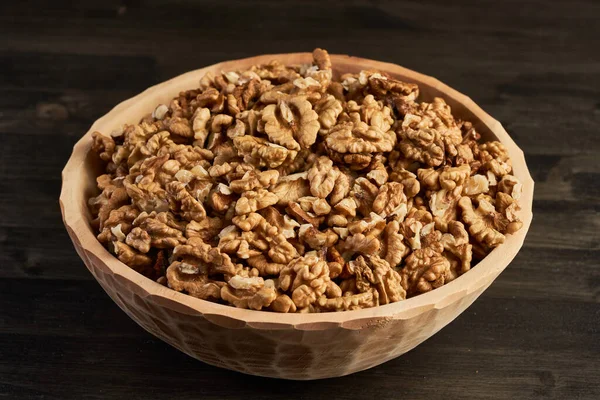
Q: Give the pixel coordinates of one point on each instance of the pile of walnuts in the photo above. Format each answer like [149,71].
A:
[279,188]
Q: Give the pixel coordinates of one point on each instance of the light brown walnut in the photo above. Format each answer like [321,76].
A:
[358,137]
[113,196]
[390,200]
[127,255]
[103,145]
[443,206]
[374,272]
[484,222]
[393,249]
[208,259]
[252,201]
[328,109]
[262,153]
[189,207]
[364,193]
[118,224]
[350,302]
[187,278]
[254,180]
[306,278]
[248,292]
[291,123]
[457,249]
[322,177]
[290,188]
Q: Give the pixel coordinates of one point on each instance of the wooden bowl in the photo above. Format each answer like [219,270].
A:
[290,346]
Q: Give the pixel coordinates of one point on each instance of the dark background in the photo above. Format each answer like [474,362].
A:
[533,65]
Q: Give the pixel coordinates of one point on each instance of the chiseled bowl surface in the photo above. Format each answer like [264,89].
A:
[290,346]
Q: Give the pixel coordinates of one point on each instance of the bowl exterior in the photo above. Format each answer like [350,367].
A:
[290,346]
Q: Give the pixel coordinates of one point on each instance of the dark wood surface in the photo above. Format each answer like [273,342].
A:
[534,65]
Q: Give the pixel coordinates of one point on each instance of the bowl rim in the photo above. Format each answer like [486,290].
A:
[486,271]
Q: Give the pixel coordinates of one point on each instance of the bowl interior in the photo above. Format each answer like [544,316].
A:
[79,184]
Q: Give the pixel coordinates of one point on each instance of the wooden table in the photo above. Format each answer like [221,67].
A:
[533,65]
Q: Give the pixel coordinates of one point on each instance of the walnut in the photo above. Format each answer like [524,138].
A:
[160,230]
[112,197]
[283,304]
[248,292]
[412,186]
[457,248]
[271,237]
[314,205]
[252,201]
[295,210]
[315,238]
[232,242]
[335,261]
[328,110]
[211,98]
[207,228]
[350,302]
[188,278]
[290,188]
[358,137]
[103,145]
[380,84]
[260,152]
[291,123]
[264,266]
[390,200]
[221,198]
[284,223]
[372,225]
[419,142]
[425,269]
[443,205]
[430,134]
[475,185]
[201,255]
[322,177]
[495,159]
[364,193]
[132,258]
[190,208]
[373,272]
[275,72]
[254,180]
[359,243]
[306,278]
[451,177]
[509,207]
[429,177]
[511,186]
[321,59]
[377,171]
[393,249]
[118,224]
[485,223]
[199,125]
[355,162]
[180,126]
[244,96]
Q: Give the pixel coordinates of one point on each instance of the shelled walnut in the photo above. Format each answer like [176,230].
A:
[284,188]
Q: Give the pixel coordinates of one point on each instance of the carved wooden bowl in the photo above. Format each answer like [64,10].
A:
[290,346]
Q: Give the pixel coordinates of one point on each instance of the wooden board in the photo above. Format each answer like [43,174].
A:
[532,65]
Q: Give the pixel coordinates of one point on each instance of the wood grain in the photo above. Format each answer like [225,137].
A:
[531,64]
